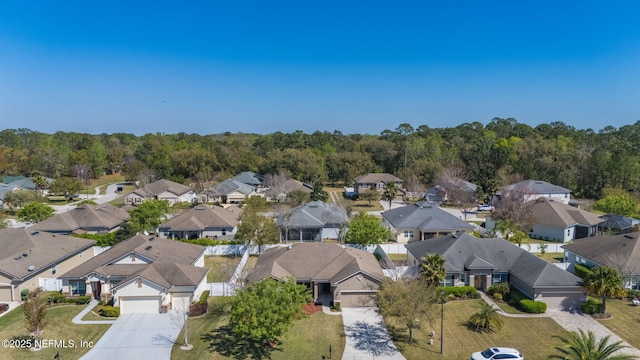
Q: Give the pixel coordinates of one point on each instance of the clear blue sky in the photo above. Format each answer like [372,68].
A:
[355,66]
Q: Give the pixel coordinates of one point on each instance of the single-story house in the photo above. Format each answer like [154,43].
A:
[289,186]
[618,224]
[86,218]
[422,220]
[4,189]
[250,178]
[620,251]
[162,190]
[557,221]
[203,221]
[535,189]
[231,191]
[30,259]
[375,181]
[438,193]
[313,221]
[333,272]
[143,274]
[482,262]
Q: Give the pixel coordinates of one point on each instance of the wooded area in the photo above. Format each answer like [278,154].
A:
[583,160]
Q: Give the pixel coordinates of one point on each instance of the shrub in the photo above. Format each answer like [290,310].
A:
[58,298]
[459,291]
[515,297]
[582,271]
[337,306]
[591,306]
[633,294]
[110,311]
[24,294]
[204,297]
[198,309]
[533,307]
[497,296]
[80,300]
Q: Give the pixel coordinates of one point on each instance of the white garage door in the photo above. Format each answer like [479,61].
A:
[561,300]
[180,301]
[5,293]
[137,305]
[357,298]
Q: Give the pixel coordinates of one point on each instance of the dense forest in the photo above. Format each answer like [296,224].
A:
[491,155]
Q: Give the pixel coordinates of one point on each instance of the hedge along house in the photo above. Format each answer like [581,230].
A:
[142,275]
[86,218]
[482,262]
[331,272]
[622,252]
[422,220]
[31,259]
[203,221]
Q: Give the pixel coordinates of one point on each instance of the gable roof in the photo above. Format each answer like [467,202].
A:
[424,216]
[250,178]
[623,249]
[371,178]
[202,216]
[619,222]
[554,213]
[163,185]
[467,252]
[315,262]
[156,249]
[86,217]
[537,187]
[230,185]
[313,214]
[23,248]
[293,185]
[167,275]
[26,183]
[5,188]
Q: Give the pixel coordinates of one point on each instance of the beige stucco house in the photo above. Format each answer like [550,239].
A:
[161,190]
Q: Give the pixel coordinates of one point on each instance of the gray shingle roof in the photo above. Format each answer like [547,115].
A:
[554,213]
[619,222]
[158,187]
[315,262]
[424,216]
[623,249]
[314,214]
[42,250]
[464,249]
[167,275]
[156,249]
[371,178]
[202,217]
[249,178]
[87,217]
[537,187]
[229,186]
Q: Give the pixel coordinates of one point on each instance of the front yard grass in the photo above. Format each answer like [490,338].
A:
[59,328]
[308,338]
[625,321]
[221,267]
[532,336]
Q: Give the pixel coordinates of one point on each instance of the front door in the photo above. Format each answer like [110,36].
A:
[96,286]
[480,282]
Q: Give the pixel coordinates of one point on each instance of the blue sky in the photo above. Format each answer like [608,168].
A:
[355,66]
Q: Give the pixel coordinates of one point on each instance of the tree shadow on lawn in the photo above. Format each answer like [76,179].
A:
[373,339]
[400,337]
[223,341]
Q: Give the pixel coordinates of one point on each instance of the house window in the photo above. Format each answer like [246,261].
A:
[568,232]
[448,281]
[53,270]
[463,278]
[408,233]
[133,258]
[224,232]
[78,287]
[499,278]
[137,200]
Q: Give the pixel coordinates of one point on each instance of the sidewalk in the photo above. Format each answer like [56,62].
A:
[78,318]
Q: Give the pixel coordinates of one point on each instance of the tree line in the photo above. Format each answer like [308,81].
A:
[491,155]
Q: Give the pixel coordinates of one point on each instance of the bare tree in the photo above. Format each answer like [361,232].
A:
[457,190]
[415,187]
[275,184]
[514,208]
[180,320]
[626,265]
[147,176]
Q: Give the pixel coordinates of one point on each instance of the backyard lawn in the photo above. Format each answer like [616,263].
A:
[552,257]
[308,338]
[221,267]
[60,328]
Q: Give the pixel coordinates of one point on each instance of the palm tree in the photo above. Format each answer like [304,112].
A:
[605,281]
[487,318]
[390,191]
[585,346]
[433,270]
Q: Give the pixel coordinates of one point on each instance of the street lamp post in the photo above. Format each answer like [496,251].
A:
[442,322]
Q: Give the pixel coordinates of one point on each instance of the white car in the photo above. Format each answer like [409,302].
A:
[496,353]
[484,207]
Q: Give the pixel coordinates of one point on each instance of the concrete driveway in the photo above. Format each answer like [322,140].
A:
[137,336]
[366,336]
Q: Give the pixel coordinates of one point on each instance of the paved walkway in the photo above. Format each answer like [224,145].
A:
[78,318]
[366,336]
[572,321]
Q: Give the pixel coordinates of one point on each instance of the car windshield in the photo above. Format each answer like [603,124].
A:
[487,353]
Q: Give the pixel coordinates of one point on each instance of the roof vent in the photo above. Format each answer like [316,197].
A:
[628,237]
[31,268]
[24,254]
[289,247]
[35,233]
[17,258]
[148,248]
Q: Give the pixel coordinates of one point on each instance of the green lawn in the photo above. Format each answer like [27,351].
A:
[59,328]
[221,267]
[308,338]
[625,322]
[532,336]
[552,257]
